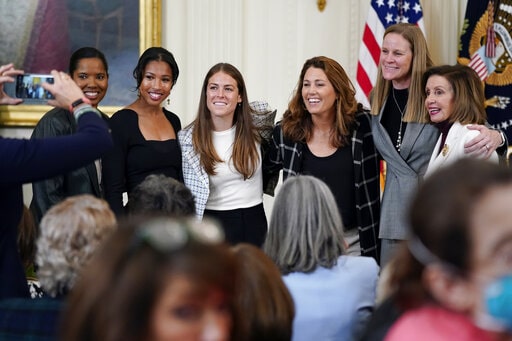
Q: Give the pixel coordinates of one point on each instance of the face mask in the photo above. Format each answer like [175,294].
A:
[498,301]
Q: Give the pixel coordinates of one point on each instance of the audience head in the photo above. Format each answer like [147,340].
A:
[261,297]
[461,239]
[156,54]
[404,58]
[305,231]
[161,195]
[324,77]
[70,233]
[455,93]
[156,279]
[89,69]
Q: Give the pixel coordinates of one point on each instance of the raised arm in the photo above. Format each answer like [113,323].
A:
[32,160]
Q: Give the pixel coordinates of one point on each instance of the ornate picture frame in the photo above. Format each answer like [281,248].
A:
[150,23]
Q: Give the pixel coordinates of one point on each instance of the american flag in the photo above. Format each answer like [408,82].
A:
[383,13]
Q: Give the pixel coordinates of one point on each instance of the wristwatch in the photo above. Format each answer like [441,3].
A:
[78,102]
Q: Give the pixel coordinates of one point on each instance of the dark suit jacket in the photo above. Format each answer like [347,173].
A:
[83,180]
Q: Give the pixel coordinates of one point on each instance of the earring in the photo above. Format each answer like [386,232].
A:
[168,101]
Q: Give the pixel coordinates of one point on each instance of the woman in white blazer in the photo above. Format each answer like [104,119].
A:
[454,97]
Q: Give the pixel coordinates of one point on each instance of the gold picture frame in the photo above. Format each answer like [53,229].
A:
[150,27]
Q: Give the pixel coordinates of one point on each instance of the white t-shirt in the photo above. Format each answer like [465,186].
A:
[228,189]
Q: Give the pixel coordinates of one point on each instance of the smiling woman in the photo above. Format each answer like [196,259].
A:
[144,133]
[454,97]
[222,157]
[325,133]
[89,69]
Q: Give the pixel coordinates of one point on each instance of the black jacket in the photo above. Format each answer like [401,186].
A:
[84,180]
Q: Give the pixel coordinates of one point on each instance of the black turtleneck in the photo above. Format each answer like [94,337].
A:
[444,128]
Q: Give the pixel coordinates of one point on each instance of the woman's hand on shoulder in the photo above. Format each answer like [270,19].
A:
[485,143]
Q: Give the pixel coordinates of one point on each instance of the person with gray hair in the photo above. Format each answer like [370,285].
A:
[334,294]
[70,232]
[161,195]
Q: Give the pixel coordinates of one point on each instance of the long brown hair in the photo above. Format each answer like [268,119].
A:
[297,123]
[245,151]
[421,60]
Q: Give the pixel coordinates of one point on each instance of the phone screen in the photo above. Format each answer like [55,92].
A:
[29,86]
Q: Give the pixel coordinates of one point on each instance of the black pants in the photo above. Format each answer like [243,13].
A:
[242,225]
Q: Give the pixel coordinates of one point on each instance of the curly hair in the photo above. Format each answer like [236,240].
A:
[70,232]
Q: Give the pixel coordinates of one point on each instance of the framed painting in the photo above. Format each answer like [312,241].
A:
[52,29]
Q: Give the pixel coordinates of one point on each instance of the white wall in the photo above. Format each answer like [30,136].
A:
[269,40]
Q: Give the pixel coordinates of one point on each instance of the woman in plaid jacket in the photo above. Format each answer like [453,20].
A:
[326,133]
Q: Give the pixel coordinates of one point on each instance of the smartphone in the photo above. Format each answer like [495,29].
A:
[29,87]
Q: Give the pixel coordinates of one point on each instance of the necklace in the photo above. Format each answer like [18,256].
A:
[402,111]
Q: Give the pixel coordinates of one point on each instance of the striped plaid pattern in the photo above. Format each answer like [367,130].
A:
[194,175]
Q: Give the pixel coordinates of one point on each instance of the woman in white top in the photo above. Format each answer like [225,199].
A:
[454,97]
[221,157]
[334,293]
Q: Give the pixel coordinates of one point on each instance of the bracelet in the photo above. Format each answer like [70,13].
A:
[84,109]
[79,101]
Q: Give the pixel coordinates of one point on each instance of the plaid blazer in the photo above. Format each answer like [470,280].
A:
[288,155]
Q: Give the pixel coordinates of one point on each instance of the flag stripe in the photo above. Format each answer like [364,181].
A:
[363,80]
[371,44]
